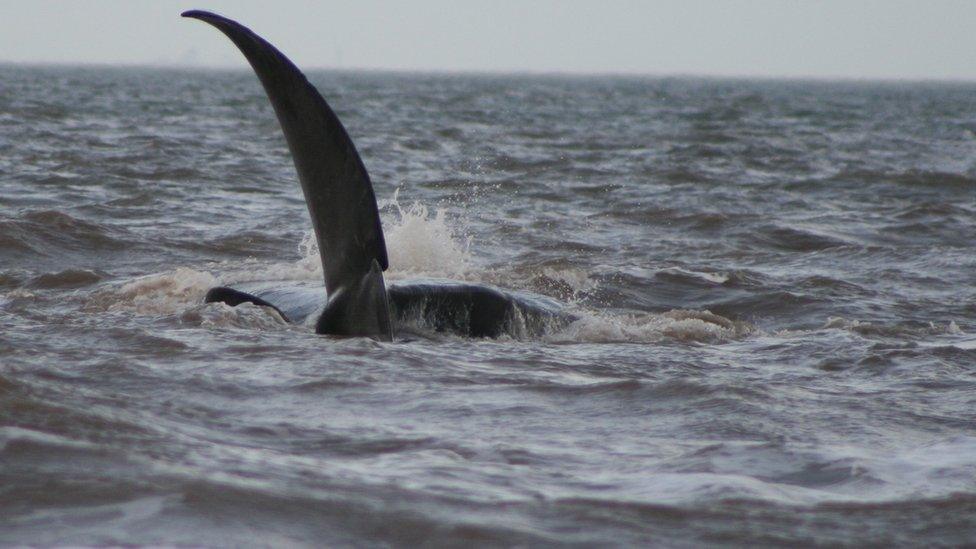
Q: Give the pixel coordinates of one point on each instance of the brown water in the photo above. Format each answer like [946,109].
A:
[826,396]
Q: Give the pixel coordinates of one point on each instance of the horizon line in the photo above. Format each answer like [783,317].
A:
[566,73]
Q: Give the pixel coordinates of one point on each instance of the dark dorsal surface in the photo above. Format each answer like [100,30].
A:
[459,308]
[337,188]
[472,310]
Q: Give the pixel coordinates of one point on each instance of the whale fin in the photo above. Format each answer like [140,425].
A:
[232,297]
[337,188]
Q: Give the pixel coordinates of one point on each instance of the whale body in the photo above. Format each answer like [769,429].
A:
[345,218]
[459,308]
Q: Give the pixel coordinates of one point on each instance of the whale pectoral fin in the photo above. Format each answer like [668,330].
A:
[359,309]
[337,189]
[232,297]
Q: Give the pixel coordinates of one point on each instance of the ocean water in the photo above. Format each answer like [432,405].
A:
[776,283]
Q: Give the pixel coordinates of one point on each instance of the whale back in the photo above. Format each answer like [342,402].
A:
[335,183]
[419,307]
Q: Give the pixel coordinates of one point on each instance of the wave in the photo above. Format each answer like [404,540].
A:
[677,325]
[912,330]
[48,232]
[165,293]
[69,278]
[795,239]
[931,178]
[245,315]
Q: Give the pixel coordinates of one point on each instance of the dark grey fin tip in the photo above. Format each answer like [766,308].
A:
[200,14]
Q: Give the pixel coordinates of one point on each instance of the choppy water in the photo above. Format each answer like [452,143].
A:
[829,396]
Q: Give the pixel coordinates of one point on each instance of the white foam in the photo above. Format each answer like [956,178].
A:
[10,435]
[165,293]
[934,469]
[966,344]
[680,325]
[16,293]
[568,284]
[678,488]
[245,315]
[714,278]
[867,328]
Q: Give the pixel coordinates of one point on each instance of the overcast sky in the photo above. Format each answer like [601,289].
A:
[779,38]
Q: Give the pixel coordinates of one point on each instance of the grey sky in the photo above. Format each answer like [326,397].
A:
[830,38]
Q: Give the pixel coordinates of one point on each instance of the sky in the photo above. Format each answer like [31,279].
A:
[859,39]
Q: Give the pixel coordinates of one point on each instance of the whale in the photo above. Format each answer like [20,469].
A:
[356,301]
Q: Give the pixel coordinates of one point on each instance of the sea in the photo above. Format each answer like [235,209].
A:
[774,283]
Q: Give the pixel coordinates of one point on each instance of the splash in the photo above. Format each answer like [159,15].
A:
[420,243]
[565,283]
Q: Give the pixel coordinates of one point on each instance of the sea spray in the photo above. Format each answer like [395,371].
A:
[421,243]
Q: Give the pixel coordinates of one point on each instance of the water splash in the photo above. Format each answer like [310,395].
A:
[421,243]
